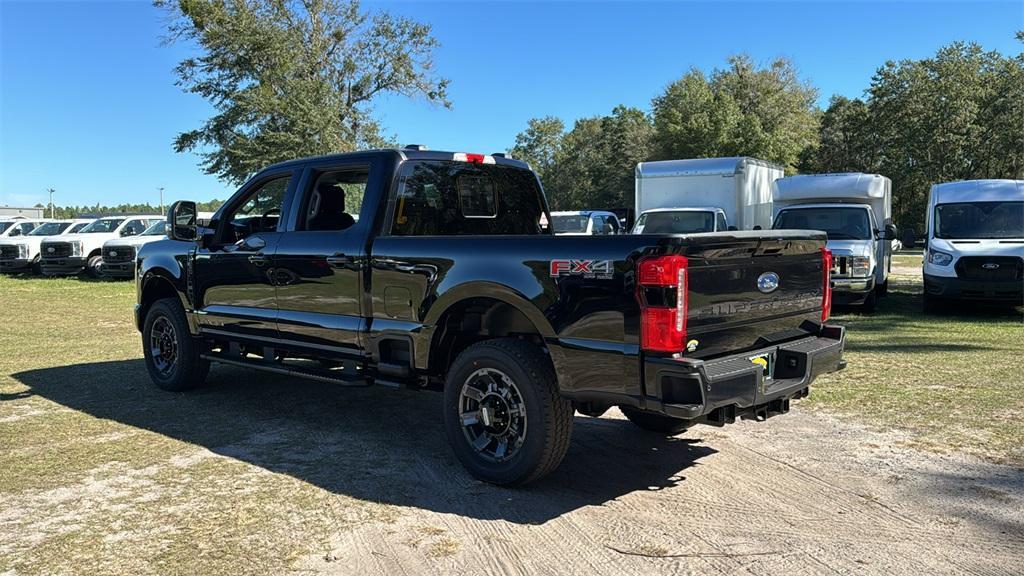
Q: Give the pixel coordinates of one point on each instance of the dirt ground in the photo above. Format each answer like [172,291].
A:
[258,475]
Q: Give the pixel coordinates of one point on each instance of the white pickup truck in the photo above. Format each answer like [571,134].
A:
[119,254]
[22,252]
[73,253]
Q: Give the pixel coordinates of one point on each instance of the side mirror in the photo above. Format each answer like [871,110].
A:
[181,221]
[758,227]
[16,232]
[733,229]
[129,231]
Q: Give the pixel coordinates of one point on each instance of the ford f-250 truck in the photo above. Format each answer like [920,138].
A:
[432,270]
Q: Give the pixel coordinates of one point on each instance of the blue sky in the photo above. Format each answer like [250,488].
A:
[88,104]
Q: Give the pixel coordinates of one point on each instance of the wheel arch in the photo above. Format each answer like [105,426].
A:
[474,312]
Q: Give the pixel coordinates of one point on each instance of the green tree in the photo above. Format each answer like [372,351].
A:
[846,141]
[741,110]
[538,144]
[954,116]
[292,78]
[594,164]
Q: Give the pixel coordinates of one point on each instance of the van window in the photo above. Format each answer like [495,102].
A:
[458,198]
[720,222]
[682,222]
[979,220]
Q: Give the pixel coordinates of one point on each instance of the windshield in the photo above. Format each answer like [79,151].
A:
[979,220]
[838,223]
[157,229]
[4,226]
[77,227]
[49,229]
[570,223]
[104,226]
[683,222]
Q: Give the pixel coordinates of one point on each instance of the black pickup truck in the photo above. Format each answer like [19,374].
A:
[436,270]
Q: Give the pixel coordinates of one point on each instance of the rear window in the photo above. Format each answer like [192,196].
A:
[458,198]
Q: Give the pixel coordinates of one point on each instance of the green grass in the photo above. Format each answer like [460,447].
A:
[102,473]
[953,381]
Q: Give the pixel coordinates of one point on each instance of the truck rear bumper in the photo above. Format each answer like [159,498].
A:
[720,390]
[63,266]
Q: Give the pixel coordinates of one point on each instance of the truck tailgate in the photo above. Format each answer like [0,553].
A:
[748,289]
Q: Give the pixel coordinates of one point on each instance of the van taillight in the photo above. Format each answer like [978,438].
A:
[826,289]
[663,292]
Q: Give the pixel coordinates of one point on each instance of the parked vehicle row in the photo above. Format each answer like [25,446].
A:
[67,247]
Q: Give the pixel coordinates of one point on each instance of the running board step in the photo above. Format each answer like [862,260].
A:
[290,371]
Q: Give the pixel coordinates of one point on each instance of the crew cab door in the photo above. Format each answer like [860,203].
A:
[234,291]
[319,266]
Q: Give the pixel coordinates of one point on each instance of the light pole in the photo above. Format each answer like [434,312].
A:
[161,189]
[51,191]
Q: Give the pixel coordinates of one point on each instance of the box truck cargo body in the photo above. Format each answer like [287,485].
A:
[975,243]
[855,210]
[739,186]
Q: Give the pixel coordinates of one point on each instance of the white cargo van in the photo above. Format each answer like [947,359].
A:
[855,210]
[975,242]
[739,187]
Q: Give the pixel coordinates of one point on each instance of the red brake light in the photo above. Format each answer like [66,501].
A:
[475,158]
[826,289]
[663,327]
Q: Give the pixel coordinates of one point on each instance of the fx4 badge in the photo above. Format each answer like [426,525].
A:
[582,268]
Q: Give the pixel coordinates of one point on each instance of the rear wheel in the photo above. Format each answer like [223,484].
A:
[503,415]
[92,266]
[172,354]
[655,422]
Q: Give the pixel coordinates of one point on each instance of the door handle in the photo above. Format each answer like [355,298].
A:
[339,261]
[258,259]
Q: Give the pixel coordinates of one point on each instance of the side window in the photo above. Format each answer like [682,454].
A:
[259,211]
[133,228]
[458,198]
[719,221]
[335,199]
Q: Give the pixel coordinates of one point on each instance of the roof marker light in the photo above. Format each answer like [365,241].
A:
[473,158]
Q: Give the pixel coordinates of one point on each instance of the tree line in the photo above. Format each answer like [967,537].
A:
[68,212]
[953,116]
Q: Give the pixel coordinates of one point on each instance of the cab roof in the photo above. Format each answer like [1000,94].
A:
[401,155]
[977,191]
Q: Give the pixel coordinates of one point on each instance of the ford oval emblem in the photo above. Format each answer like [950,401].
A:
[768,282]
[50,249]
[990,266]
[113,253]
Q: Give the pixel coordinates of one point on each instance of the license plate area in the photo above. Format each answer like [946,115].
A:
[767,363]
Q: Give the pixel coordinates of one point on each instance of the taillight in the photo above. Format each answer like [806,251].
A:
[826,288]
[473,158]
[663,292]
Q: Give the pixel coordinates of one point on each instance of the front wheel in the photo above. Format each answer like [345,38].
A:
[655,422]
[93,265]
[172,354]
[503,415]
[37,267]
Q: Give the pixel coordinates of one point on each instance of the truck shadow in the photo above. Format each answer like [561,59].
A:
[373,444]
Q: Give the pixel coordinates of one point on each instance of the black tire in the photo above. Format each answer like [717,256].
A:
[655,422]
[870,302]
[883,289]
[92,266]
[37,266]
[546,428]
[187,370]
[930,304]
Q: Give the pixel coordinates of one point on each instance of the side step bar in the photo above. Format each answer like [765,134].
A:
[341,380]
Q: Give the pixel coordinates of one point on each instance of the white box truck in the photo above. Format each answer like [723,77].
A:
[855,210]
[975,243]
[712,194]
